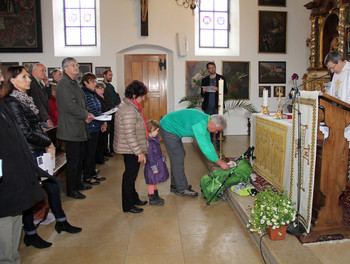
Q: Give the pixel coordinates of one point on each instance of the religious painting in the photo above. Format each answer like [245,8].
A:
[195,72]
[20,26]
[237,78]
[100,70]
[83,68]
[29,65]
[279,89]
[281,3]
[262,88]
[272,32]
[272,72]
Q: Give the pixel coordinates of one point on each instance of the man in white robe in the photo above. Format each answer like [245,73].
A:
[340,87]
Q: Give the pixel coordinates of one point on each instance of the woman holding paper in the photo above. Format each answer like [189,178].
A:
[94,127]
[17,83]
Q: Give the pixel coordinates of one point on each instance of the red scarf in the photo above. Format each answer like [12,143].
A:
[144,119]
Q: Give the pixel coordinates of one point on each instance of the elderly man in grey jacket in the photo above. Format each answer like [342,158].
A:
[72,125]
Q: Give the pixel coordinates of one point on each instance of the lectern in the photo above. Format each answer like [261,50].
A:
[331,170]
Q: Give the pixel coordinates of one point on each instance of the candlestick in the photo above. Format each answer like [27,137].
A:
[265,96]
[221,97]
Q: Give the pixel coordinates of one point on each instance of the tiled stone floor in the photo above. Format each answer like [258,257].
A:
[181,231]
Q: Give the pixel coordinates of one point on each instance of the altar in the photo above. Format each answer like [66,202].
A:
[273,147]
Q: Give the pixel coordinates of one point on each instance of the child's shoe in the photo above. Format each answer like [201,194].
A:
[157,195]
[154,201]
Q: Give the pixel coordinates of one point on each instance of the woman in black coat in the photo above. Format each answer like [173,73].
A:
[17,83]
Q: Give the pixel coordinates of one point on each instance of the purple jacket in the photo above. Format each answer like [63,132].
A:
[155,161]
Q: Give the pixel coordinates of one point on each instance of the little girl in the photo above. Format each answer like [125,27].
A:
[156,170]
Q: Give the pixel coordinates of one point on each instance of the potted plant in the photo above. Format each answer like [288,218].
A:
[272,212]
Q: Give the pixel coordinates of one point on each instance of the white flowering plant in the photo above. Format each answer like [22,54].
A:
[270,209]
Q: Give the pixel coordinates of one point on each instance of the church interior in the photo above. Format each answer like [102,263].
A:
[157,42]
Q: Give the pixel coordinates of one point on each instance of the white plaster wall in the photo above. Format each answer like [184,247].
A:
[120,34]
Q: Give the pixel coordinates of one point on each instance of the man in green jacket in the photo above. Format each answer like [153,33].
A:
[189,123]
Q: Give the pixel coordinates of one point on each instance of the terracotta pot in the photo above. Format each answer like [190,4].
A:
[278,233]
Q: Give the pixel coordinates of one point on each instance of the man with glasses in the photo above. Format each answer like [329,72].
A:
[336,64]
[72,125]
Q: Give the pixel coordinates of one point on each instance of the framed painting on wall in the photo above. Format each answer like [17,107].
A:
[83,68]
[262,88]
[281,3]
[195,72]
[100,70]
[279,89]
[272,32]
[20,29]
[29,65]
[272,71]
[237,76]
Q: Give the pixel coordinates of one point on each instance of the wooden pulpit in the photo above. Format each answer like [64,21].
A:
[331,170]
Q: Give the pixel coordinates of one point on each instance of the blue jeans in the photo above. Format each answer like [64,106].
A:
[52,189]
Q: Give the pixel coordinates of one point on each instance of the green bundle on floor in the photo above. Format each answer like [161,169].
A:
[211,183]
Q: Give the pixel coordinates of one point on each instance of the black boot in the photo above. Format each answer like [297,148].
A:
[154,201]
[157,195]
[36,241]
[65,226]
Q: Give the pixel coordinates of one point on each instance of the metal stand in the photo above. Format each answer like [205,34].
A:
[221,139]
[299,229]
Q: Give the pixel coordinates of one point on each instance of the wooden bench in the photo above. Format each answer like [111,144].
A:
[60,152]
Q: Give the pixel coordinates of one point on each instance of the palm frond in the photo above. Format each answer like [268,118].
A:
[194,101]
[239,105]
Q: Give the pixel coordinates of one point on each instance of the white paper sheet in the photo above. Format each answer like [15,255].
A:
[110,112]
[46,163]
[103,118]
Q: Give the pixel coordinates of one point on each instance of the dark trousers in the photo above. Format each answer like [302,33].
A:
[52,189]
[111,135]
[89,164]
[102,146]
[74,165]
[129,194]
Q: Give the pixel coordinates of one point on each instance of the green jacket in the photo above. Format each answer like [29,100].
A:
[191,123]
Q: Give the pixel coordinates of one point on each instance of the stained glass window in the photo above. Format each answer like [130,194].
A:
[80,22]
[214,24]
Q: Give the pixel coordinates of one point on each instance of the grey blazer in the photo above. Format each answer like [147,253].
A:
[72,111]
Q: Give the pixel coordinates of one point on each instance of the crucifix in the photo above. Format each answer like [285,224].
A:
[144,18]
[278,114]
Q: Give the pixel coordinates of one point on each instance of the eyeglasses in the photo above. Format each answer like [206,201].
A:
[332,68]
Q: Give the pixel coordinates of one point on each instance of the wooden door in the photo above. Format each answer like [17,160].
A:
[151,70]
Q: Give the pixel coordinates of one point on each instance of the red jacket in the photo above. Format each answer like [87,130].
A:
[53,111]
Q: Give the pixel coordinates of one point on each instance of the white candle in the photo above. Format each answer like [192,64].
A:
[221,97]
[265,96]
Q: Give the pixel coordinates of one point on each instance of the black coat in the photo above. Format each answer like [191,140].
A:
[206,82]
[41,97]
[29,123]
[19,185]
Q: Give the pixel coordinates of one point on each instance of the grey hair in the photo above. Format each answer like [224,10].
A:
[36,65]
[334,57]
[66,62]
[218,120]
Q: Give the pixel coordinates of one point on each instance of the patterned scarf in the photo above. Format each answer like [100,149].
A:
[144,119]
[25,99]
